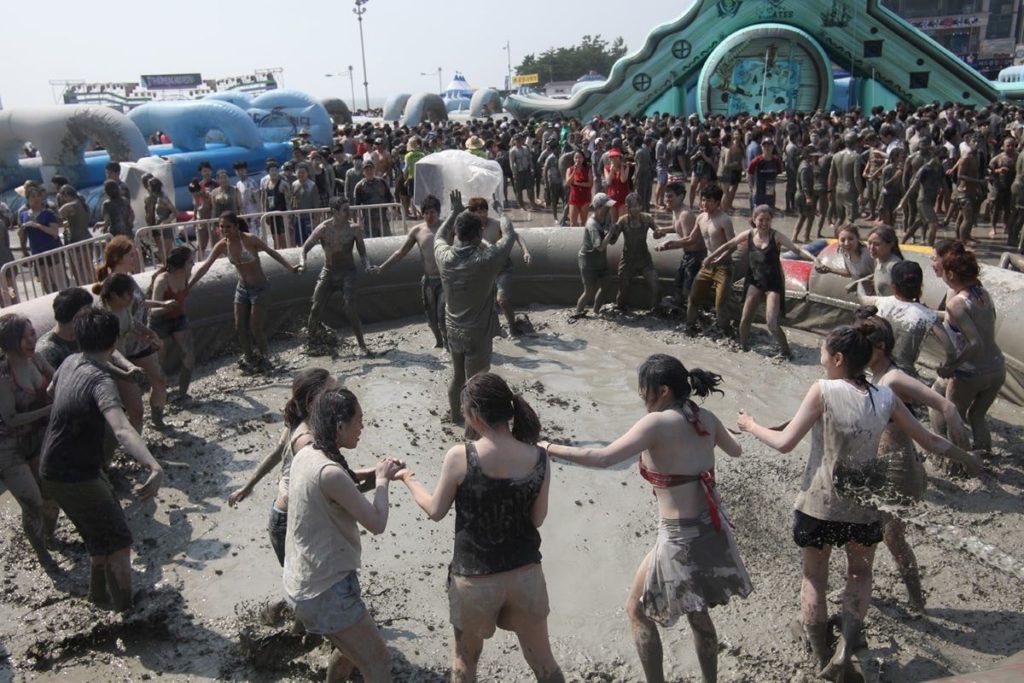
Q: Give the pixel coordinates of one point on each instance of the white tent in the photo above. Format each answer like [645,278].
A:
[458,88]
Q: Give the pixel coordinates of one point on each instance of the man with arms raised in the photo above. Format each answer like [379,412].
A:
[493,232]
[468,270]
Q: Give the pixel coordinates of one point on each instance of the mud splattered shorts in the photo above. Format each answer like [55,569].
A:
[480,604]
[693,567]
[338,608]
[813,532]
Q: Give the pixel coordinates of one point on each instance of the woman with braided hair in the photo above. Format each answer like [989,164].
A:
[695,564]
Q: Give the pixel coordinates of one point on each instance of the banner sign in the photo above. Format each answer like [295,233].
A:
[526,79]
[171,81]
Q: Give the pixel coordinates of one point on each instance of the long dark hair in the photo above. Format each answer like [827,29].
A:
[662,370]
[854,342]
[888,235]
[329,409]
[490,397]
[306,386]
[118,283]
[878,329]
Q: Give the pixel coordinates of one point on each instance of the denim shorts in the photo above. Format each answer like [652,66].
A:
[277,527]
[248,294]
[338,608]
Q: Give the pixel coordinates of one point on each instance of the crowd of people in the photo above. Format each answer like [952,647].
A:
[68,396]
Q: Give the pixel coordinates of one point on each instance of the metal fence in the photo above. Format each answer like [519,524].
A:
[75,264]
[34,276]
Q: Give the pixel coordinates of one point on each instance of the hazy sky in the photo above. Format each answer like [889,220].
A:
[113,40]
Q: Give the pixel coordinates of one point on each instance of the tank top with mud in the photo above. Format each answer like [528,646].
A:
[982,311]
[322,542]
[843,466]
[494,530]
[287,456]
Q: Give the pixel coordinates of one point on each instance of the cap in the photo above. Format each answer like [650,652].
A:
[601,200]
[614,152]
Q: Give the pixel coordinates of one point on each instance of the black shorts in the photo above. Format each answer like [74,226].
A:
[165,327]
[813,532]
[93,508]
[141,353]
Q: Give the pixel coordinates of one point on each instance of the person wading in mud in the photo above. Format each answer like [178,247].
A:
[833,508]
[715,228]
[338,237]
[492,232]
[499,485]
[695,564]
[422,235]
[468,270]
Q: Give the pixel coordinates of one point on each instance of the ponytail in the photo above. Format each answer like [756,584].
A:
[704,383]
[525,423]
[490,397]
[854,342]
[662,370]
[306,386]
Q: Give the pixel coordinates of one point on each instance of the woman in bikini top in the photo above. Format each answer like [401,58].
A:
[242,250]
[675,434]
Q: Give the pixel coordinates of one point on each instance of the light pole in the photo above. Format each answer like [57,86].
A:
[359,10]
[508,54]
[440,86]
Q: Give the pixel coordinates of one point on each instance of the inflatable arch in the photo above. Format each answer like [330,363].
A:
[425,107]
[863,36]
[394,106]
[62,135]
[337,110]
[485,102]
[282,114]
[189,122]
[235,97]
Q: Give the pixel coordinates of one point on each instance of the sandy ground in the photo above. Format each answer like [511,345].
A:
[203,569]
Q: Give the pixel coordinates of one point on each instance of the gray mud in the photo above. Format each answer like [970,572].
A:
[205,572]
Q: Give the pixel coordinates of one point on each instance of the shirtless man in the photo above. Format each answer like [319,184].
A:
[923,191]
[683,222]
[715,228]
[337,236]
[846,180]
[970,186]
[636,257]
[503,284]
[422,235]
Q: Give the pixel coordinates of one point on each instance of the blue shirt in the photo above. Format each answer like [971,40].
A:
[39,241]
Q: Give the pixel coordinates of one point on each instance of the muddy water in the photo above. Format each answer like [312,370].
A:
[204,569]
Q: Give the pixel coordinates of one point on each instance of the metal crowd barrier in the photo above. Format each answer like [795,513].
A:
[34,276]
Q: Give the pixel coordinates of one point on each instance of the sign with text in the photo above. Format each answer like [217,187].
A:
[526,79]
[171,81]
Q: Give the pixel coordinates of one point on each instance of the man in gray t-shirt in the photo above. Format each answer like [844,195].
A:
[468,270]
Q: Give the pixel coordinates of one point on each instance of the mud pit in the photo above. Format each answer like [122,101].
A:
[204,570]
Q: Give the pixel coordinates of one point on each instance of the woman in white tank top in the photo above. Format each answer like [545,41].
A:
[846,417]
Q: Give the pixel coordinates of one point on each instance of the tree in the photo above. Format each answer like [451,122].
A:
[593,53]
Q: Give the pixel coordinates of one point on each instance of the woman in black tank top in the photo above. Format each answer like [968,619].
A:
[499,485]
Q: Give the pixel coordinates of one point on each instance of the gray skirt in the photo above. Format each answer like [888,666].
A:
[693,567]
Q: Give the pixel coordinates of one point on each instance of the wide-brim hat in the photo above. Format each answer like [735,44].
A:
[475,142]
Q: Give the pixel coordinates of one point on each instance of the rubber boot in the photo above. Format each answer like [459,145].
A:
[156,414]
[184,380]
[98,593]
[845,666]
[817,636]
[912,579]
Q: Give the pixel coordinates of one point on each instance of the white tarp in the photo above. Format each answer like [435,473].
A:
[440,173]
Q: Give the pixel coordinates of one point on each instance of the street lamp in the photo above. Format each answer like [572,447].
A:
[359,10]
[508,49]
[440,87]
[351,82]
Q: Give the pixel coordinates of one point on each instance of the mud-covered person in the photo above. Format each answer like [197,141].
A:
[431,290]
[684,222]
[85,402]
[338,237]
[496,579]
[469,268]
[834,508]
[492,232]
[592,257]
[695,564]
[323,550]
[636,259]
[716,229]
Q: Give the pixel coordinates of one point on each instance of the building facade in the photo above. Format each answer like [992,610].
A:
[984,33]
